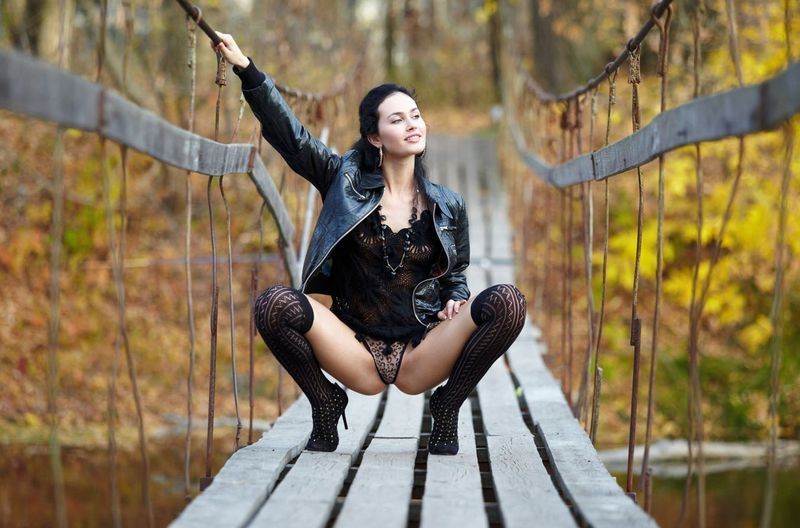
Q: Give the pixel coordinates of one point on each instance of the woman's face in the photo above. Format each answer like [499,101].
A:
[401,129]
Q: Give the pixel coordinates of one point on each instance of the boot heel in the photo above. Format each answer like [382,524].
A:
[344,419]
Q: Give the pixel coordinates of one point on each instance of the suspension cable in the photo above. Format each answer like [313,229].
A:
[663,65]
[633,43]
[634,78]
[192,64]
[776,343]
[694,392]
[598,372]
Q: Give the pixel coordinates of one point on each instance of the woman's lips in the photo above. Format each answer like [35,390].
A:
[414,138]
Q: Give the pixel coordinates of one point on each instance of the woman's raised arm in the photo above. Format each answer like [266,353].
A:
[305,154]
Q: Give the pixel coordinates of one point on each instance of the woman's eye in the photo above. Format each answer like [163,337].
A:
[395,121]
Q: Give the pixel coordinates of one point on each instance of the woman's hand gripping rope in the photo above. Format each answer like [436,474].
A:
[230,50]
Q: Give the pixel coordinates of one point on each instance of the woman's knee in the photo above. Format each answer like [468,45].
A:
[281,304]
[500,298]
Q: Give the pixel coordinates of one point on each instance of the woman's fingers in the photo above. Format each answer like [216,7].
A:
[450,309]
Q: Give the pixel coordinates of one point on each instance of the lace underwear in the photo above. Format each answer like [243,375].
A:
[388,356]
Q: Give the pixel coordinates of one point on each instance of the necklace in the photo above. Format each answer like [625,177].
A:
[406,237]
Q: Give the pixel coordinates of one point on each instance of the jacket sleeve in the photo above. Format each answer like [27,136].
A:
[304,153]
[454,284]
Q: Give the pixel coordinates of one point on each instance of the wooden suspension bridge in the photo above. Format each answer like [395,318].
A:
[525,459]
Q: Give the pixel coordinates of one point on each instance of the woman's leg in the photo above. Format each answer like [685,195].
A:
[292,326]
[467,345]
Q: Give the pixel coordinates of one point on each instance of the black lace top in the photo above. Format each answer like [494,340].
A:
[370,298]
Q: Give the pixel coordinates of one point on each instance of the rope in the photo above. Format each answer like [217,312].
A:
[694,392]
[116,258]
[231,304]
[212,379]
[56,247]
[588,243]
[101,47]
[253,292]
[776,343]
[634,78]
[663,64]
[612,91]
[192,64]
[543,95]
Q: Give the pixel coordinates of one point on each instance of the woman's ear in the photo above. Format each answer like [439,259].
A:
[375,141]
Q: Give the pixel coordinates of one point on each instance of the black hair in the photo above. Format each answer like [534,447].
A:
[368,125]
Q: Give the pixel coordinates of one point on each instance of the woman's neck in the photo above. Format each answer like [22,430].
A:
[398,175]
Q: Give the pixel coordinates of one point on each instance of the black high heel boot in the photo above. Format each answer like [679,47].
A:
[324,436]
[444,436]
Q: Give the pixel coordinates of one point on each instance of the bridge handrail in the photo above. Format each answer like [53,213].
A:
[34,88]
[733,113]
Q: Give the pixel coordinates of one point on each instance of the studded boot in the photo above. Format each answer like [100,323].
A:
[499,312]
[325,416]
[444,436]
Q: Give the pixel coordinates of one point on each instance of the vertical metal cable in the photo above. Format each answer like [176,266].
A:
[111,405]
[253,292]
[634,79]
[56,247]
[588,244]
[231,314]
[612,89]
[693,396]
[776,343]
[187,266]
[663,64]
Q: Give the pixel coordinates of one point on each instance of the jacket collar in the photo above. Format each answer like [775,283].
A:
[374,180]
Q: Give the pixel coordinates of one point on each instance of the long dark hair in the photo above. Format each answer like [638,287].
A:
[368,125]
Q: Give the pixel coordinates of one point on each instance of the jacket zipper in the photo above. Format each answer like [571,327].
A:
[352,186]
[321,262]
[447,255]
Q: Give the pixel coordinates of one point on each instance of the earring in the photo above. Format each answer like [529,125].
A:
[380,156]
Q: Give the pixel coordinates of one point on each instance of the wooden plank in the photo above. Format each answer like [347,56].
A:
[525,492]
[595,495]
[247,478]
[306,495]
[124,122]
[453,497]
[402,416]
[387,467]
[736,112]
[381,491]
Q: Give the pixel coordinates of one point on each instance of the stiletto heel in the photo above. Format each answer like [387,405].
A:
[325,418]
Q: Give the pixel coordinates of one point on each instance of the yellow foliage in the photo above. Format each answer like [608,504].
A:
[755,335]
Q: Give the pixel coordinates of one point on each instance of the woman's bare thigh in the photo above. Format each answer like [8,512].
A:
[431,362]
[340,354]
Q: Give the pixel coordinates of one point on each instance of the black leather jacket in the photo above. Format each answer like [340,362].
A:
[349,195]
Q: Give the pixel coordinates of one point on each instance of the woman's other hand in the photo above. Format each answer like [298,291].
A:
[230,50]
[450,309]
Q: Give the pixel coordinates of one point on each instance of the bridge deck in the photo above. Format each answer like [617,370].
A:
[524,459]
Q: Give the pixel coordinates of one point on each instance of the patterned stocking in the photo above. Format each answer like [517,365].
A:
[499,311]
[282,316]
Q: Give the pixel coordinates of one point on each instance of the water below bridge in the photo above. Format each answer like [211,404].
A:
[734,497]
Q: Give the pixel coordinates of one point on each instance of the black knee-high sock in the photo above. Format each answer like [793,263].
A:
[499,311]
[282,316]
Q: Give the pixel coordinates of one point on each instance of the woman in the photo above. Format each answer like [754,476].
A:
[391,248]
